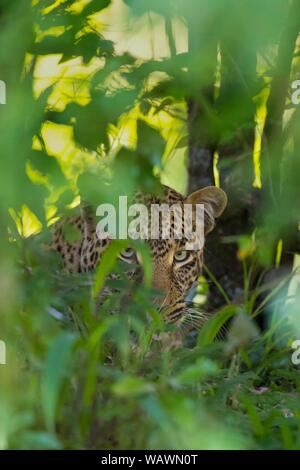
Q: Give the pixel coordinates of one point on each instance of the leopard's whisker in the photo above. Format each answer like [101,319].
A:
[194,317]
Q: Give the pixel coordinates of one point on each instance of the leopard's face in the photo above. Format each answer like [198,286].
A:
[175,267]
[175,271]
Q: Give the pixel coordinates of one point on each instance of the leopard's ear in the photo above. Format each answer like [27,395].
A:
[214,200]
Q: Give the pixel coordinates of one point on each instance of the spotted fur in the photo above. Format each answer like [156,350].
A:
[174,278]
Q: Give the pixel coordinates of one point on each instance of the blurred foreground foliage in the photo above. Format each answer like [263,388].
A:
[89,116]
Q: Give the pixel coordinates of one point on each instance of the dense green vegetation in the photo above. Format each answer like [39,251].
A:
[104,97]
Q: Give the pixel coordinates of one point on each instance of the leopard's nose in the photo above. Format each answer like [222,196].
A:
[161,280]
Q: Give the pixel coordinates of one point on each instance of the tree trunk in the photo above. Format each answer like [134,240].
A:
[280,198]
[213,127]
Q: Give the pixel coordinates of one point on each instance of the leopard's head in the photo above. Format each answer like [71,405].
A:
[176,269]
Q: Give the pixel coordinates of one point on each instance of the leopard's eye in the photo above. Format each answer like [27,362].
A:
[128,255]
[181,256]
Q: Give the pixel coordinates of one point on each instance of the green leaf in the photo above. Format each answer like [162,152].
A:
[40,440]
[71,233]
[211,329]
[243,331]
[107,264]
[144,251]
[151,145]
[203,367]
[47,165]
[131,387]
[95,5]
[63,44]
[57,368]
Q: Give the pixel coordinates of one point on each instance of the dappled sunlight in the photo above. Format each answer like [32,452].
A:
[139,339]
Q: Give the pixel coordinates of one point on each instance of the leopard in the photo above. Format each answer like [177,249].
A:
[175,269]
